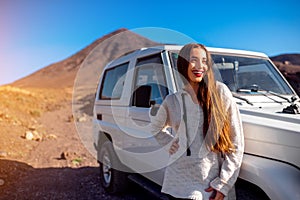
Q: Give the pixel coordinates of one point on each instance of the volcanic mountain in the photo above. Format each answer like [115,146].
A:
[83,69]
[62,74]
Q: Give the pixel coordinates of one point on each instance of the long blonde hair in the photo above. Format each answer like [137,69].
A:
[216,127]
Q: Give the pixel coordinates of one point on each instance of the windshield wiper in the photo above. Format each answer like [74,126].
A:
[278,95]
[242,98]
[256,88]
[293,108]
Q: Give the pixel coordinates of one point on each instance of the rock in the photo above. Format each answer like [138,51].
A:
[1,182]
[32,128]
[70,118]
[51,136]
[3,154]
[37,136]
[69,155]
[82,119]
[33,135]
[29,135]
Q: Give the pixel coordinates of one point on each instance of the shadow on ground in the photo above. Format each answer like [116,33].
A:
[21,181]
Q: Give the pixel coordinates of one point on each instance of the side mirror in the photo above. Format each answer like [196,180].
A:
[141,96]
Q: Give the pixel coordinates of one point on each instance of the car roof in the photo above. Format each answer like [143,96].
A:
[153,49]
[214,50]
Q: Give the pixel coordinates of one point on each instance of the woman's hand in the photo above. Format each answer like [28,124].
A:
[216,194]
[174,147]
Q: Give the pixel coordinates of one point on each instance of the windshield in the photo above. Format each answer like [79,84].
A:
[241,73]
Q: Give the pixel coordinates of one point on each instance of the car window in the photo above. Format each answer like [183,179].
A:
[113,82]
[150,71]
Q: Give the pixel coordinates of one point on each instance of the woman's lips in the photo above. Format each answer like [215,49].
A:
[198,73]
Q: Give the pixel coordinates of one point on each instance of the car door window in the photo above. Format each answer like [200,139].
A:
[149,71]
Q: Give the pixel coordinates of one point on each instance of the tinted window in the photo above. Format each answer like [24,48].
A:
[113,82]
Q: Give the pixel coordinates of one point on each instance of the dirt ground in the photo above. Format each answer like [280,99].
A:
[53,164]
[42,156]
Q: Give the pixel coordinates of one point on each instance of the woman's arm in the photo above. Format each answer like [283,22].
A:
[159,123]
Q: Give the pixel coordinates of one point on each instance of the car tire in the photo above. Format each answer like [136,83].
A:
[114,178]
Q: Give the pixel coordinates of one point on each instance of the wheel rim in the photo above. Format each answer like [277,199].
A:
[106,169]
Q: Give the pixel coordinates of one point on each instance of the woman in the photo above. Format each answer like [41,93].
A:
[207,148]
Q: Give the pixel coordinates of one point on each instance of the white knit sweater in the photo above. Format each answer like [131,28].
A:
[188,176]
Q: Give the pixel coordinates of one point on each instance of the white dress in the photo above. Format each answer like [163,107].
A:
[188,176]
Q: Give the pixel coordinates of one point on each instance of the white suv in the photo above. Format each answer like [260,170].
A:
[268,106]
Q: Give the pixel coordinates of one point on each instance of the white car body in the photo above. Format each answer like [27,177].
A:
[272,138]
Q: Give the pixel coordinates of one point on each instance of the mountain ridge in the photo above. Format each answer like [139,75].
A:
[73,72]
[63,73]
[291,58]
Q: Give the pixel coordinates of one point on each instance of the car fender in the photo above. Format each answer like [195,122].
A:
[277,179]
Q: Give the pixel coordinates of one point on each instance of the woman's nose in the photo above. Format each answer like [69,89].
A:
[199,65]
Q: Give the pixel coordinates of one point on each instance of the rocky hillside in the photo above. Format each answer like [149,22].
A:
[289,65]
[25,102]
[292,59]
[62,74]
[20,113]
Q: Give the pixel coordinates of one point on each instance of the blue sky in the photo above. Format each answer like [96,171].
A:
[37,33]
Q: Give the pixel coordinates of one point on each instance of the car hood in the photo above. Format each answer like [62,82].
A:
[271,133]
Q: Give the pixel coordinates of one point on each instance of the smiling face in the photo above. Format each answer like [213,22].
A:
[197,65]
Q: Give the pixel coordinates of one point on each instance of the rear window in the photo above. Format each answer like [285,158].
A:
[113,82]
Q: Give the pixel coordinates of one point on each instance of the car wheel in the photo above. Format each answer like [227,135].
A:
[113,179]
